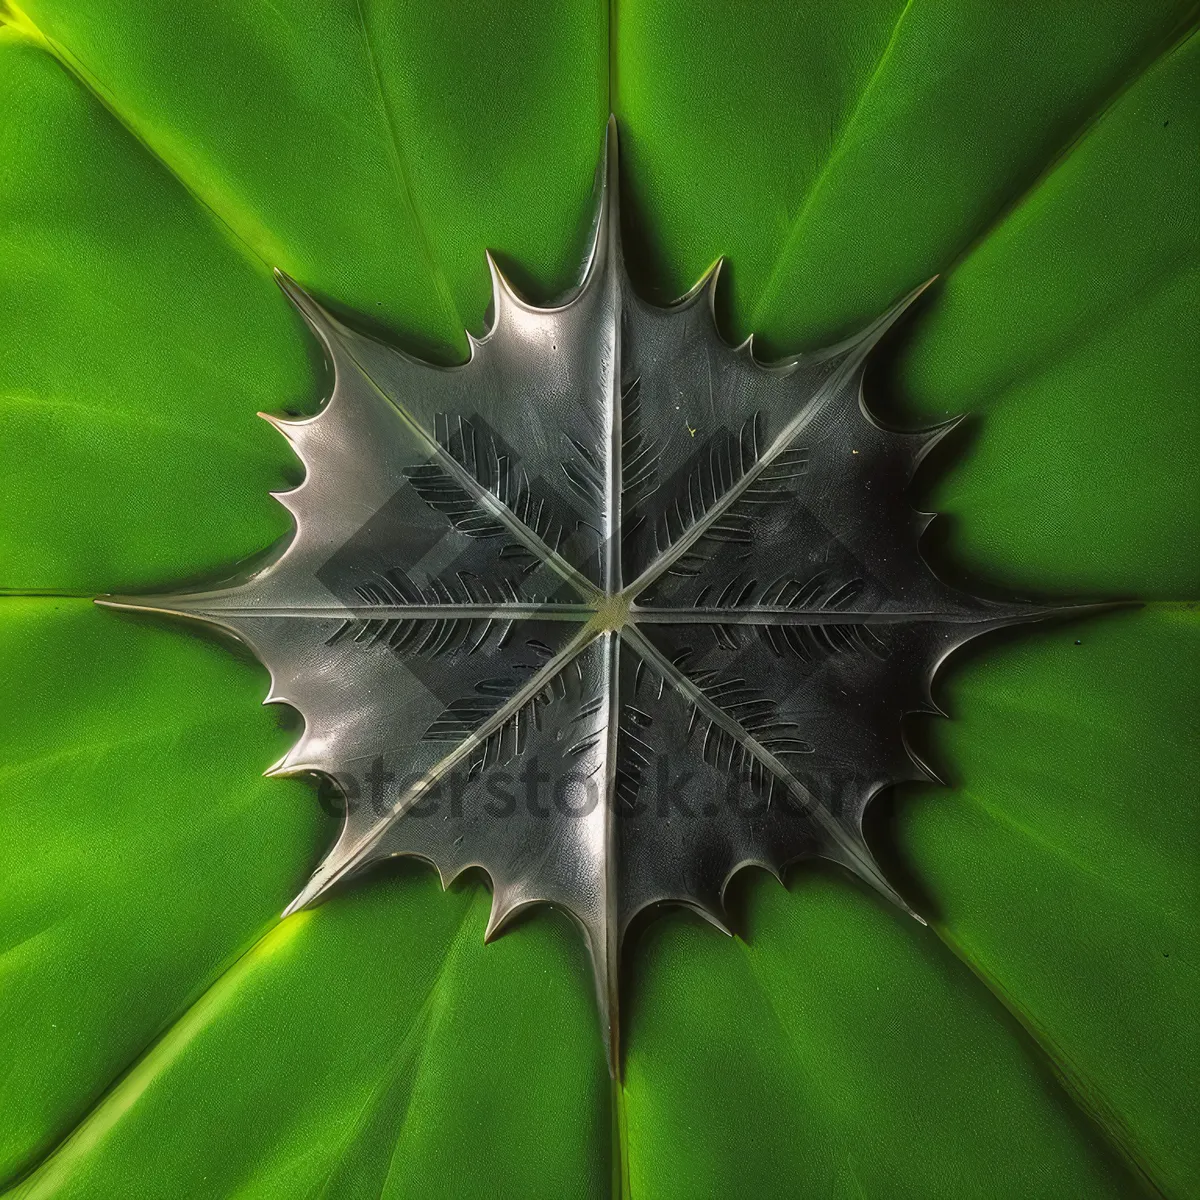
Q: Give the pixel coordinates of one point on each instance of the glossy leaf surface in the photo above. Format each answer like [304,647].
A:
[152,163]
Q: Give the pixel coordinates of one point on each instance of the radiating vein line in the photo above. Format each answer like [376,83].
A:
[1073,1081]
[13,950]
[491,503]
[731,726]
[583,613]
[1041,842]
[619,1139]
[435,1004]
[838,150]
[404,183]
[799,616]
[619,1120]
[45,1177]
[245,240]
[855,352]
[408,1048]
[611,947]
[330,332]
[613,32]
[1161,278]
[78,748]
[381,612]
[33,1184]
[11,593]
[350,856]
[755,972]
[93,412]
[1172,45]
[1175,41]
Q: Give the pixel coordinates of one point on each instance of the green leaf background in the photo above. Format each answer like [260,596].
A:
[162,1033]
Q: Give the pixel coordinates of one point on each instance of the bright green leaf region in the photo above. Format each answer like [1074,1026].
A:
[162,1032]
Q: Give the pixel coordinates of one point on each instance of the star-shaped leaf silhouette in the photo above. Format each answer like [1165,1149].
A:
[611,610]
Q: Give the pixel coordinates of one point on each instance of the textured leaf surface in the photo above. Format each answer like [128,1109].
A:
[1064,324]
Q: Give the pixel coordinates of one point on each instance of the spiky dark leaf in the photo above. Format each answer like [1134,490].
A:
[678,590]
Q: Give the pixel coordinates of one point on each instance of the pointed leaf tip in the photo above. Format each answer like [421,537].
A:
[318,882]
[320,320]
[505,297]
[503,910]
[289,427]
[286,284]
